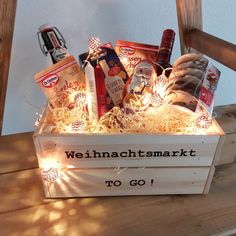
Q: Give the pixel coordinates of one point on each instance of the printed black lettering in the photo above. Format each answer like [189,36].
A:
[192,153]
[141,152]
[105,154]
[114,154]
[131,153]
[108,183]
[183,153]
[166,154]
[70,154]
[123,154]
[117,183]
[96,154]
[149,154]
[79,155]
[86,154]
[174,153]
[157,154]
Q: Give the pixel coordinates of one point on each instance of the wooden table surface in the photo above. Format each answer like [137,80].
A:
[25,211]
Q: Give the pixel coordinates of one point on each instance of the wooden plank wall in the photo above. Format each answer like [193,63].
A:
[7,20]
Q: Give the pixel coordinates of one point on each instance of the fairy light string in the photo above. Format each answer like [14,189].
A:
[157,117]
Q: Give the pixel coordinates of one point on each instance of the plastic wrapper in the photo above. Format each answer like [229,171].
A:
[131,53]
[192,83]
[138,90]
[63,84]
[115,75]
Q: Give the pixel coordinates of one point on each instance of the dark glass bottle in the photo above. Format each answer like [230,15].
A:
[165,51]
[51,41]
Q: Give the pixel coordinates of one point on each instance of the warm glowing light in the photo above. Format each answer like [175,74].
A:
[50,170]
[77,126]
[162,118]
[39,117]
[80,99]
[157,100]
[49,175]
[94,45]
[162,80]
[124,59]
[159,89]
[203,122]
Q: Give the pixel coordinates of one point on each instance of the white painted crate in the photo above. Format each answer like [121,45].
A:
[126,164]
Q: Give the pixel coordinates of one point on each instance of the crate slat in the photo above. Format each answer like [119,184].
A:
[92,151]
[127,181]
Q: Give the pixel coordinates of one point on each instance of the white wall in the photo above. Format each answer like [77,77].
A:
[133,20]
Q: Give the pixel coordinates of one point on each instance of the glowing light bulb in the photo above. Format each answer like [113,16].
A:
[80,99]
[161,91]
[50,170]
[159,88]
[94,45]
[162,80]
[124,59]
[77,125]
[39,117]
[50,174]
[157,100]
[203,122]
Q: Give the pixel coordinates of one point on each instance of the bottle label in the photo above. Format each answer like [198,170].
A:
[115,76]
[115,86]
[59,53]
[54,41]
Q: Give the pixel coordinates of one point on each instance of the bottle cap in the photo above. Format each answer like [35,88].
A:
[44,27]
[167,40]
[168,34]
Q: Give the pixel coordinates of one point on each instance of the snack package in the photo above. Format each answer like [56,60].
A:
[138,91]
[208,88]
[115,75]
[63,84]
[131,53]
[192,83]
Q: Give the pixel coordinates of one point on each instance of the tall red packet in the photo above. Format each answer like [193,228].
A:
[63,83]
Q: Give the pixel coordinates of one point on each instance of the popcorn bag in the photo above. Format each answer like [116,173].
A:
[127,129]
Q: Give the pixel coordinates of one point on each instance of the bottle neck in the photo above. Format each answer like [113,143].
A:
[166,46]
[164,56]
[163,62]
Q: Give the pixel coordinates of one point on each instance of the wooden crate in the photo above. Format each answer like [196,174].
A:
[79,165]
